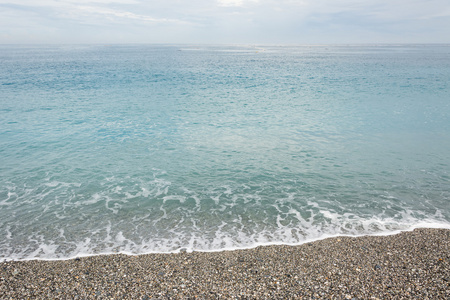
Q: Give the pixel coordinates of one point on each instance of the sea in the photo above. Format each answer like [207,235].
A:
[166,148]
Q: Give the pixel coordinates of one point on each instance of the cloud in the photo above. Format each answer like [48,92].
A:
[85,11]
[91,12]
[235,21]
[227,3]
[54,3]
[235,3]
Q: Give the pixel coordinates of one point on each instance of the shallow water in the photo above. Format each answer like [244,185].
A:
[143,149]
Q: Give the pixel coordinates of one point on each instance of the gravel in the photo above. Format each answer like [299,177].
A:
[409,265]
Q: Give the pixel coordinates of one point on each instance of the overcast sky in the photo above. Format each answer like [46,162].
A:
[225,21]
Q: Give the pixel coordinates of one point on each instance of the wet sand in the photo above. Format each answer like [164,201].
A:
[409,265]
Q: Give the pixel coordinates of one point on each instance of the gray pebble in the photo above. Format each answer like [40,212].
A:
[408,265]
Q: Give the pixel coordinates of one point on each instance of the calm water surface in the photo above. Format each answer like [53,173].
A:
[141,149]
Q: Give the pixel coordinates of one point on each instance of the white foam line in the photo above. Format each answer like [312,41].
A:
[323,237]
[434,225]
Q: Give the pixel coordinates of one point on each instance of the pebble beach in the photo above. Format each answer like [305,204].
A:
[409,265]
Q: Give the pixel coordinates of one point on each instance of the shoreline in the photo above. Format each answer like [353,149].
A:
[256,245]
[409,264]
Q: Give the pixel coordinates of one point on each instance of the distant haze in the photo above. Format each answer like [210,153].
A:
[224,21]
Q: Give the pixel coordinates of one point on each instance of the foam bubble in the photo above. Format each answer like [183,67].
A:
[179,198]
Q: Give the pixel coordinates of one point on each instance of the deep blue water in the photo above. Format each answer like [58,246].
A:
[152,148]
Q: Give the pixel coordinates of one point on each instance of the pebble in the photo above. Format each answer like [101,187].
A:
[408,265]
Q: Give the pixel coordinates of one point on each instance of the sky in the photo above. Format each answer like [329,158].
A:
[224,21]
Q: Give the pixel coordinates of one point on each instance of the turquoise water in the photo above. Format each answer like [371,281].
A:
[141,149]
